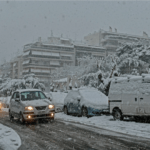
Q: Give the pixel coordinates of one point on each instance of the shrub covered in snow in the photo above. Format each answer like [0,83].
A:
[29,81]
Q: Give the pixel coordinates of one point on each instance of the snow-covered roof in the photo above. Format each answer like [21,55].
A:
[132,78]
[93,96]
[26,90]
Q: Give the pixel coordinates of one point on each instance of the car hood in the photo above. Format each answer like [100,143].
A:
[41,102]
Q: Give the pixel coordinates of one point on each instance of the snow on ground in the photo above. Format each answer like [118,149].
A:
[107,122]
[9,139]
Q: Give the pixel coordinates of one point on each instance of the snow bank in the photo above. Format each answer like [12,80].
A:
[107,122]
[9,139]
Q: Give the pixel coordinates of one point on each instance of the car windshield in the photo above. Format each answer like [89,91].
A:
[32,95]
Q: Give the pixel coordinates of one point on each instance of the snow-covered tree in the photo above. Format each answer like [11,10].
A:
[29,81]
[133,56]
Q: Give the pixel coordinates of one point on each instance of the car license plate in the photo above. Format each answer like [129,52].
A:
[41,112]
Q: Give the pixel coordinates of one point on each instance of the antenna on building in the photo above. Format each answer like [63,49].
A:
[110,29]
[145,34]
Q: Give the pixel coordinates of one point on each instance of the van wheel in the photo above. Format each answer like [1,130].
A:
[65,110]
[21,118]
[117,114]
[84,112]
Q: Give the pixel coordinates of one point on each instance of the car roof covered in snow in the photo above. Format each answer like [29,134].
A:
[93,96]
[26,90]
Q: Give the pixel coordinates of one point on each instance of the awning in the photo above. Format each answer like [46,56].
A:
[45,53]
[26,53]
[26,62]
[56,63]
[40,70]
[27,70]
[67,55]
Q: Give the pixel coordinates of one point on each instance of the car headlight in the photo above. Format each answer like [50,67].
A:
[51,106]
[29,108]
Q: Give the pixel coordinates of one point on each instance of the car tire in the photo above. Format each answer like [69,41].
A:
[65,110]
[117,114]
[10,116]
[84,112]
[21,118]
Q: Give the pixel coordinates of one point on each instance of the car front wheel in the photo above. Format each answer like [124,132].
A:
[21,118]
[66,110]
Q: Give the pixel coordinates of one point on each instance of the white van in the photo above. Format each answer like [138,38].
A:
[130,96]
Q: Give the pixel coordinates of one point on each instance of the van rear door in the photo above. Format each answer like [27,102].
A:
[129,103]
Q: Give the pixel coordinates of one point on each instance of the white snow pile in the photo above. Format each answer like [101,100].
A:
[107,122]
[9,139]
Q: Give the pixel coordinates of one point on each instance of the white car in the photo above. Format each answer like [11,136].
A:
[30,105]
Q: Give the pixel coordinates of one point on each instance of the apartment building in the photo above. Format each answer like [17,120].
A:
[16,67]
[42,58]
[112,40]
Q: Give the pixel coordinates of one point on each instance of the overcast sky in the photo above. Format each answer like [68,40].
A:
[23,22]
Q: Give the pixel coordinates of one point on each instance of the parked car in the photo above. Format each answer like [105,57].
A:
[30,105]
[85,101]
[130,97]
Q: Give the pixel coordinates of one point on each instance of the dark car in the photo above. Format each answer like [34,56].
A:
[85,102]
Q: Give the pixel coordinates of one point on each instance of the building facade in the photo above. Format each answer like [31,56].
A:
[42,58]
[112,40]
[16,67]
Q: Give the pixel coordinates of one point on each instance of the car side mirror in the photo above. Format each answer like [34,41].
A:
[17,99]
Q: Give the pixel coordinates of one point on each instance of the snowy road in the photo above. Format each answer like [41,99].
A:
[62,135]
